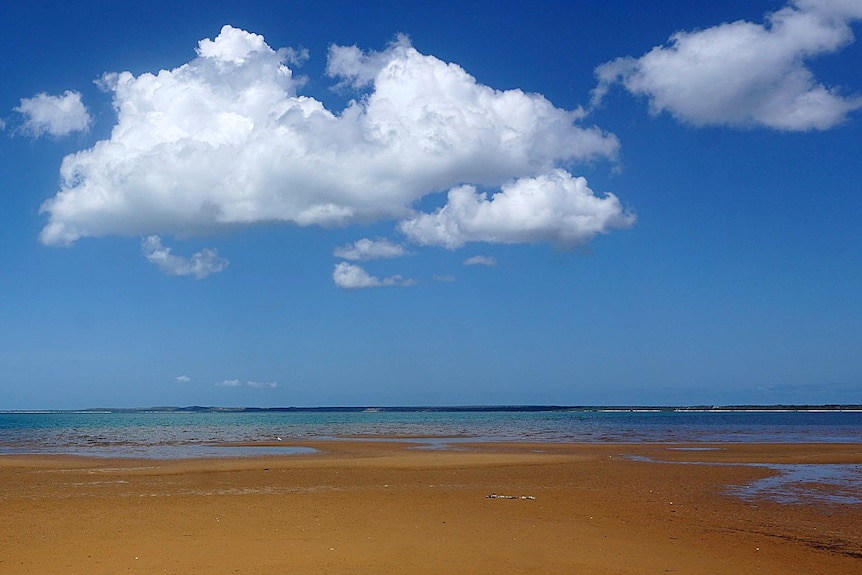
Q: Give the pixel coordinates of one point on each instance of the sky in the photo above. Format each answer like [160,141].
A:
[430,203]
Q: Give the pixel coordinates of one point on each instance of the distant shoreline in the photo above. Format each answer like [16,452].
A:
[460,409]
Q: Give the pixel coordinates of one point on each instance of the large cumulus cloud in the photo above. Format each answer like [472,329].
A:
[227,140]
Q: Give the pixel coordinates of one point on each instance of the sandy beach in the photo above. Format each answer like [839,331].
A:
[363,507]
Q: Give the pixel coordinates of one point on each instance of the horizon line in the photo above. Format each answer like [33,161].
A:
[460,408]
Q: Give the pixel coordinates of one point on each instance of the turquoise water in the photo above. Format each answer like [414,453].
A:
[198,433]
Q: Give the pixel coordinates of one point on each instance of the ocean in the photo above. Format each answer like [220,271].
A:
[203,432]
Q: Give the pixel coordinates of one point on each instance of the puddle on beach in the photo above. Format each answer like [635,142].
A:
[168,451]
[431,442]
[793,484]
[806,483]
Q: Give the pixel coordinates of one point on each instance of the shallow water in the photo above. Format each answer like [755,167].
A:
[196,434]
[806,483]
[792,483]
[169,435]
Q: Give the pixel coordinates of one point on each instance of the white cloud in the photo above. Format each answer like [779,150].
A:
[183,379]
[255,384]
[350,276]
[840,9]
[262,384]
[229,383]
[480,261]
[744,74]
[226,140]
[365,249]
[445,278]
[553,207]
[359,69]
[200,265]
[54,115]
[233,46]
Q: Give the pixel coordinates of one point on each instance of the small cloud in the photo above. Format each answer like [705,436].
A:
[229,383]
[349,276]
[200,265]
[262,384]
[255,384]
[365,249]
[295,56]
[182,379]
[444,278]
[54,115]
[481,261]
[555,207]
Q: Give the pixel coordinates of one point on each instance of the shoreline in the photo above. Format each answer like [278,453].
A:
[373,506]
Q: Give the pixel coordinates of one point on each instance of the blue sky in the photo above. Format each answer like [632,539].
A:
[352,203]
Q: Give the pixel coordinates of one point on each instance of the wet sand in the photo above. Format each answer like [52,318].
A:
[363,507]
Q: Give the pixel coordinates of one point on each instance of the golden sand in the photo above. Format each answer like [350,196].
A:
[361,507]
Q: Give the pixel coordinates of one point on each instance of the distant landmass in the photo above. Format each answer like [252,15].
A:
[461,408]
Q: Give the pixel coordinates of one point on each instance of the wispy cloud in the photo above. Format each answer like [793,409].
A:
[202,264]
[745,74]
[182,379]
[480,261]
[365,249]
[262,384]
[350,276]
[254,384]
[229,383]
[54,115]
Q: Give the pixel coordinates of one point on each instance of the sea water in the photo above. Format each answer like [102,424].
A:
[198,433]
